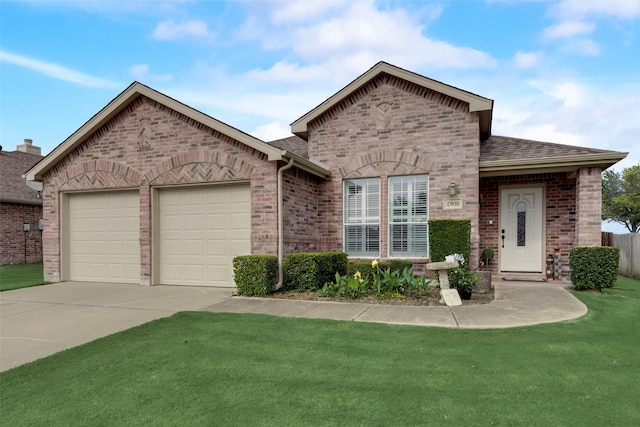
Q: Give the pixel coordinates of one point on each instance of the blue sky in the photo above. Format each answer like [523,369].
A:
[562,71]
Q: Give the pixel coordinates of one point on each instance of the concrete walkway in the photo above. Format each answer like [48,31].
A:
[40,321]
[515,304]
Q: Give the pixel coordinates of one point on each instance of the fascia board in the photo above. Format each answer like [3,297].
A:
[312,166]
[583,160]
[476,102]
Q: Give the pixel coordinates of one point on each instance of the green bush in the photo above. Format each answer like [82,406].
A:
[310,270]
[449,236]
[365,268]
[255,275]
[594,267]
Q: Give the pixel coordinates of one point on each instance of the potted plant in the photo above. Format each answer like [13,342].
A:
[487,255]
[461,278]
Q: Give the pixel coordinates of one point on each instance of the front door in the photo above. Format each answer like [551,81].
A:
[521,230]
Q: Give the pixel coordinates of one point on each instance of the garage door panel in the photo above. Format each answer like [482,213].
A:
[103,236]
[197,234]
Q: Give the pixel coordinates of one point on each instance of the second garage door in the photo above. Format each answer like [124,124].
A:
[200,231]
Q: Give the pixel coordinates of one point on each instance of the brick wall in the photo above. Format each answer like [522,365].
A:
[300,201]
[148,144]
[560,213]
[18,247]
[589,207]
[392,127]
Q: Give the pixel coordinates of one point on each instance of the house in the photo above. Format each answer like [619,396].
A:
[20,207]
[152,191]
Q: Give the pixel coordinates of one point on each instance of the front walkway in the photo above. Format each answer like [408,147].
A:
[515,304]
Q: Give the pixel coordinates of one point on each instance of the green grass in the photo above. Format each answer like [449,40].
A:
[18,276]
[198,368]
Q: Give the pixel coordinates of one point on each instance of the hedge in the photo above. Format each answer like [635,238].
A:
[449,236]
[310,270]
[255,275]
[594,267]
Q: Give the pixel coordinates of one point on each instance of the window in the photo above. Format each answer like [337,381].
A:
[362,217]
[408,215]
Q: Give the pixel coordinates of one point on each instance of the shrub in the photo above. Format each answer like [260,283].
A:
[594,267]
[255,275]
[449,236]
[310,270]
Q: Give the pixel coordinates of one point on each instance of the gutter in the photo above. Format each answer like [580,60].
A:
[289,165]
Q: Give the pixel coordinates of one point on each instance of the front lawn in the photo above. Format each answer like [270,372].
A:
[198,368]
[18,276]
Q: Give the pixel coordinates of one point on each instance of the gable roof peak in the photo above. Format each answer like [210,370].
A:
[477,103]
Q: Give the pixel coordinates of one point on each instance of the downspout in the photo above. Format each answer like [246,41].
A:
[281,224]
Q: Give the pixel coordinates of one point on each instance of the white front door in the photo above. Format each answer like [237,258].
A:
[521,229]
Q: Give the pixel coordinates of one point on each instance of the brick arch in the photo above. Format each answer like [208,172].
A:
[98,174]
[199,166]
[386,162]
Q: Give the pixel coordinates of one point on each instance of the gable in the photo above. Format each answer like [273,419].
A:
[387,71]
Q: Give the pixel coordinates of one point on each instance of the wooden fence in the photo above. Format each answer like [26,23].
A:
[629,245]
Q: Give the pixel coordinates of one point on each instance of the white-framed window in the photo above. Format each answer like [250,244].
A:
[362,217]
[408,216]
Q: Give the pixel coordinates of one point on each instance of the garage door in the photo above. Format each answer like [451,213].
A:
[104,230]
[200,230]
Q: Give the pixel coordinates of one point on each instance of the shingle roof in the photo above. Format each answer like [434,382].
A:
[508,148]
[294,144]
[13,187]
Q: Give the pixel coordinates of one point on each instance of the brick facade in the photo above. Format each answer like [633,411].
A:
[18,246]
[589,207]
[146,145]
[390,127]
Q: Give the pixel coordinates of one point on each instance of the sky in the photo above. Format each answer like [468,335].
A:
[564,71]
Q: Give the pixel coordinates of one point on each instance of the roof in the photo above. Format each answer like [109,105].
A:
[501,155]
[14,189]
[294,144]
[137,89]
[477,103]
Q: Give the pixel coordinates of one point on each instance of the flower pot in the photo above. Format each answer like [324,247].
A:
[466,295]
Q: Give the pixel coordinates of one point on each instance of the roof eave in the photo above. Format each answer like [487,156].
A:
[312,166]
[550,164]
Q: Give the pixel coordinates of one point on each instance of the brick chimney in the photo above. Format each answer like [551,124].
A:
[28,147]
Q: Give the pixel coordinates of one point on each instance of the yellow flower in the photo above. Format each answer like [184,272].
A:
[374,263]
[357,275]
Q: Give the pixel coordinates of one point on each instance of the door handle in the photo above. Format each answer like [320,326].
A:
[503,237]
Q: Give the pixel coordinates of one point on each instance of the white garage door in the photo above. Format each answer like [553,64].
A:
[104,230]
[201,230]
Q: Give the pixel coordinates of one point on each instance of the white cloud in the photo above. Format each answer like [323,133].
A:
[569,92]
[523,60]
[272,131]
[141,71]
[567,29]
[623,9]
[169,30]
[56,71]
[297,11]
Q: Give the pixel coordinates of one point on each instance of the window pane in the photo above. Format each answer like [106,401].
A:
[362,217]
[408,215]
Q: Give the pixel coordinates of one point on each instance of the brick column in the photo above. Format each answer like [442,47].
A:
[145,235]
[588,207]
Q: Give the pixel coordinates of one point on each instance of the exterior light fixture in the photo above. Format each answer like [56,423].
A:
[453,188]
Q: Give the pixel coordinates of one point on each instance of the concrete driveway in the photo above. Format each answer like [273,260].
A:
[40,321]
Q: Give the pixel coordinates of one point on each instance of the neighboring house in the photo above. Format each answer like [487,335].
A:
[20,207]
[151,191]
